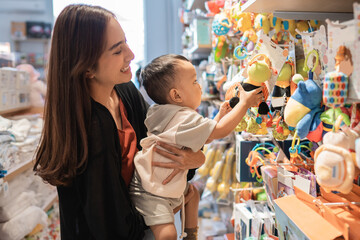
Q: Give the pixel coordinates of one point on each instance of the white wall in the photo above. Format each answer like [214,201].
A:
[18,11]
[162,28]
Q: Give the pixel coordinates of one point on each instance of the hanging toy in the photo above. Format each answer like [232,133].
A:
[262,22]
[281,130]
[281,91]
[334,163]
[248,39]
[304,107]
[259,71]
[290,26]
[221,24]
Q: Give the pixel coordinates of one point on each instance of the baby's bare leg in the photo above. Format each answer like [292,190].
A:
[164,231]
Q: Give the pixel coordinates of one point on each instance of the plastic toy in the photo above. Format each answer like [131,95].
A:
[249,37]
[221,24]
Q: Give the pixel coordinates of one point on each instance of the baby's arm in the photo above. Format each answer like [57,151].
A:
[224,109]
[228,123]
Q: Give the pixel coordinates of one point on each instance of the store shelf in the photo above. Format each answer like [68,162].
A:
[329,6]
[50,202]
[12,173]
[13,110]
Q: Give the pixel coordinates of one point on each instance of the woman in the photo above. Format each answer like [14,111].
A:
[93,123]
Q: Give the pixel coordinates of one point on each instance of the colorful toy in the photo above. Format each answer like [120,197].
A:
[334,163]
[275,23]
[262,22]
[290,26]
[282,87]
[220,47]
[304,107]
[249,37]
[213,7]
[335,89]
[259,71]
[221,24]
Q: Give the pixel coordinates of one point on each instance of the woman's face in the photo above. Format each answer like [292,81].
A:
[114,63]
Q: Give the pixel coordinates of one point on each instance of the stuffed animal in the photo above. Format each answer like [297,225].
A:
[335,160]
[275,23]
[304,109]
[290,26]
[37,87]
[262,22]
[259,71]
[329,116]
[282,87]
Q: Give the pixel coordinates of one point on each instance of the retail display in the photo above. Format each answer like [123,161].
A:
[302,136]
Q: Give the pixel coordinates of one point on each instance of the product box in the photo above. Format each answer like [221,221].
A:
[296,220]
[18,30]
[246,224]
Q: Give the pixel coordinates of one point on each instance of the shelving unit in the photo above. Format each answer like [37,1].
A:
[328,6]
[12,173]
[18,41]
[303,9]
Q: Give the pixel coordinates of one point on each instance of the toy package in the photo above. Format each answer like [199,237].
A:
[316,41]
[342,55]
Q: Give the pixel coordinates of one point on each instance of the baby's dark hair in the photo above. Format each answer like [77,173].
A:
[158,76]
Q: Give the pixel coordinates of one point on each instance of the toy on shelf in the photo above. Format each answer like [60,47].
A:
[259,71]
[213,6]
[261,154]
[248,39]
[281,91]
[37,87]
[335,160]
[262,22]
[304,108]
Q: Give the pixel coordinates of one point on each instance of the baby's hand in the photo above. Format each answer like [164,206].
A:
[224,109]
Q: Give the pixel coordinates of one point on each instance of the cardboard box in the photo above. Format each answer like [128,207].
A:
[296,220]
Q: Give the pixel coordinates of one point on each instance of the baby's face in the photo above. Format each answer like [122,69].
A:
[187,85]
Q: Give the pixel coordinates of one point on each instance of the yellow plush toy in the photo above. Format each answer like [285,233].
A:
[275,23]
[262,22]
[289,25]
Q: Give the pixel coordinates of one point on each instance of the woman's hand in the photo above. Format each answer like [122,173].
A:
[183,159]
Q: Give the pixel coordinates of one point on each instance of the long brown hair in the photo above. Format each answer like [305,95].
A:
[77,43]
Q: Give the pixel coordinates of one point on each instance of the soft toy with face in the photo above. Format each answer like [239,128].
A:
[304,109]
[335,161]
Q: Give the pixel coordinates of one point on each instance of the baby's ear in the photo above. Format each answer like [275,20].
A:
[175,95]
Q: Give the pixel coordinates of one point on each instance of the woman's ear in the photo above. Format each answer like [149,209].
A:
[89,74]
[175,95]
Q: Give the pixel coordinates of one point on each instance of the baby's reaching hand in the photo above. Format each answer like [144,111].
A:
[224,109]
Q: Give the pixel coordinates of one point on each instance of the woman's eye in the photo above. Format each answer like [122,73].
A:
[117,53]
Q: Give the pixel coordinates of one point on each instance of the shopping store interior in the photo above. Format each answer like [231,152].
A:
[289,170]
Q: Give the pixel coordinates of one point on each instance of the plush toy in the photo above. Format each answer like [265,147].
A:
[275,23]
[213,7]
[220,47]
[329,116]
[37,87]
[290,26]
[262,22]
[282,87]
[335,160]
[304,109]
[259,71]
